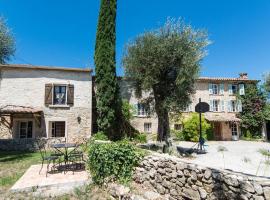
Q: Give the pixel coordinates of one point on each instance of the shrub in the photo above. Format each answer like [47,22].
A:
[191,129]
[177,134]
[112,161]
[99,136]
[140,138]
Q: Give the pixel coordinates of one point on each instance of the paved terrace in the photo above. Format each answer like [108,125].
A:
[53,184]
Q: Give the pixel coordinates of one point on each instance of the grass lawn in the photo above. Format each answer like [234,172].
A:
[13,164]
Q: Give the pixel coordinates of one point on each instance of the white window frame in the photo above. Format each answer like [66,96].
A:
[234,92]
[147,127]
[217,105]
[55,85]
[141,110]
[234,107]
[234,129]
[215,89]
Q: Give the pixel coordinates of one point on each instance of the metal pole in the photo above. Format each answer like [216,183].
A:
[200,114]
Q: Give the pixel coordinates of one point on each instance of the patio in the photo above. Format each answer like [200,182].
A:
[52,185]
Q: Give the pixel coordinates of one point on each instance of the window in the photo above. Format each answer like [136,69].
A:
[215,105]
[147,127]
[215,88]
[188,108]
[142,109]
[59,95]
[233,106]
[234,89]
[178,127]
[58,129]
[234,129]
[26,129]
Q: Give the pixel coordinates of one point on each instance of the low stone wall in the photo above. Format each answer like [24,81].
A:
[177,179]
[24,144]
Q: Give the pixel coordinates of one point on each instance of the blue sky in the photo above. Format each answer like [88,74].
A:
[62,32]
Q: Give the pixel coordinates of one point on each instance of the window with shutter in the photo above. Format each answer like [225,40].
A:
[70,95]
[230,89]
[210,88]
[48,94]
[239,106]
[222,106]
[221,89]
[241,89]
[211,105]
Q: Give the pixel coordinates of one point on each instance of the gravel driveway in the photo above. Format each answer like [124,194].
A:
[241,156]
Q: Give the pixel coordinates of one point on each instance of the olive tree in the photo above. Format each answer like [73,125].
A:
[166,62]
[7,44]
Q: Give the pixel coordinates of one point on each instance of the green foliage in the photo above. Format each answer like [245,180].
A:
[7,44]
[191,129]
[253,114]
[267,83]
[140,138]
[166,62]
[177,134]
[107,95]
[99,136]
[127,110]
[113,161]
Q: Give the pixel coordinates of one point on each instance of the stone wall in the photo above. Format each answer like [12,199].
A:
[172,177]
[25,144]
[26,87]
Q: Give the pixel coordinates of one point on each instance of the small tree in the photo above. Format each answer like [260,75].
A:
[191,129]
[166,62]
[252,115]
[7,44]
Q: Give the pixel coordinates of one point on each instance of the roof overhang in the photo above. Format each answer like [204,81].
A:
[52,68]
[221,117]
[13,109]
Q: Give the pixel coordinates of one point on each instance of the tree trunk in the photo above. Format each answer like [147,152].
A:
[163,122]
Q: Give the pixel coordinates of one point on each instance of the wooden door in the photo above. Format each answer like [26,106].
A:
[217,131]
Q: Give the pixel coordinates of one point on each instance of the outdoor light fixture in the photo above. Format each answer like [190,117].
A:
[79,119]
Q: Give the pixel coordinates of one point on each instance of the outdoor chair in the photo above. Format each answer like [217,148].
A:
[50,157]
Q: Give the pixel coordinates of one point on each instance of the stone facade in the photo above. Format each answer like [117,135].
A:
[22,85]
[221,90]
[172,177]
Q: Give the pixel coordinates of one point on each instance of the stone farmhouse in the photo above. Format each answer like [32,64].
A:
[54,102]
[219,93]
[38,101]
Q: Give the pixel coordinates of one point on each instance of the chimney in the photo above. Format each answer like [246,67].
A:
[243,75]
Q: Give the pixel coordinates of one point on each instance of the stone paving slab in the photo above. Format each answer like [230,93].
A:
[53,184]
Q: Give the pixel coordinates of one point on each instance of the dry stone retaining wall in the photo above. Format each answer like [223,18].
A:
[171,176]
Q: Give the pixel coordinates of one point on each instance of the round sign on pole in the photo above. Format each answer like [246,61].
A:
[202,107]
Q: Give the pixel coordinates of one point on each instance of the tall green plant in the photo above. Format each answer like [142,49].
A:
[108,99]
[7,44]
[253,114]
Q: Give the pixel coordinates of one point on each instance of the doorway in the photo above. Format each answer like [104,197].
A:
[217,130]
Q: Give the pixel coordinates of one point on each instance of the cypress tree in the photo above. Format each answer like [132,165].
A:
[108,98]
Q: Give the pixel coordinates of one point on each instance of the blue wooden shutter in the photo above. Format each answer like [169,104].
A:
[241,89]
[230,88]
[211,105]
[239,106]
[210,88]
[221,88]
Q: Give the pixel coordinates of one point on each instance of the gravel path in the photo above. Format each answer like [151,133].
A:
[241,156]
